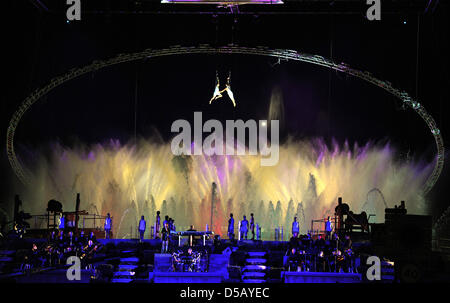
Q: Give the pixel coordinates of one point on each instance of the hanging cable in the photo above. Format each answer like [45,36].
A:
[330,76]
[417,55]
[135,103]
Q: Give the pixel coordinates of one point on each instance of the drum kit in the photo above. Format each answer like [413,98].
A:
[183,262]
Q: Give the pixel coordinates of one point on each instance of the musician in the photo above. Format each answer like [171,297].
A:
[293,242]
[165,238]
[336,260]
[319,243]
[347,243]
[189,258]
[328,228]
[244,228]
[295,228]
[92,237]
[172,225]
[166,220]
[35,257]
[60,240]
[49,254]
[231,227]
[293,260]
[108,226]
[252,226]
[335,242]
[70,240]
[158,224]
[348,253]
[82,241]
[142,226]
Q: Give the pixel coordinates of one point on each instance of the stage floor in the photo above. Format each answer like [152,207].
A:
[319,277]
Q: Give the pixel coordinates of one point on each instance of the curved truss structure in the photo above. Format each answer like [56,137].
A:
[372,191]
[443,221]
[24,175]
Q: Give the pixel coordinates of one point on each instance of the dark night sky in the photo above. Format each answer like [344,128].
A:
[100,106]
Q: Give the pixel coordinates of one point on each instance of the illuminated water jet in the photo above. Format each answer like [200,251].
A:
[130,181]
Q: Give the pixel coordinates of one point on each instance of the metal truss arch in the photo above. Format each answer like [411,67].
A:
[24,175]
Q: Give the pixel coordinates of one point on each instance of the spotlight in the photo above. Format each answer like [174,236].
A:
[264,123]
[404,22]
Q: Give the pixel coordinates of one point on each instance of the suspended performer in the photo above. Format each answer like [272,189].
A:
[218,93]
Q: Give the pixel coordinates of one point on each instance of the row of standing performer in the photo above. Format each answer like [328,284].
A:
[163,230]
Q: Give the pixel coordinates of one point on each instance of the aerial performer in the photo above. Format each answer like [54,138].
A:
[218,93]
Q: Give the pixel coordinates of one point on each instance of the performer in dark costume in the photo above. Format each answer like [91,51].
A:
[108,226]
[231,227]
[166,220]
[295,228]
[347,249]
[293,260]
[92,237]
[189,260]
[142,227]
[328,228]
[244,228]
[170,224]
[252,226]
[165,235]
[319,243]
[158,225]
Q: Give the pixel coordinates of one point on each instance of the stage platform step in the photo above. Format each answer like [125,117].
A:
[254,281]
[254,267]
[256,261]
[257,253]
[129,260]
[121,280]
[253,275]
[7,252]
[127,267]
[387,272]
[254,271]
[320,277]
[126,270]
[123,274]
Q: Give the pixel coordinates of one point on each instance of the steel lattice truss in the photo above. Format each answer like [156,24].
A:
[24,175]
[443,221]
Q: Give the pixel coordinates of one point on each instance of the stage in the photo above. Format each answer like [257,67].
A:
[320,277]
[187,277]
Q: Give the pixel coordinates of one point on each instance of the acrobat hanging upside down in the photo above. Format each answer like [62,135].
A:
[218,93]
